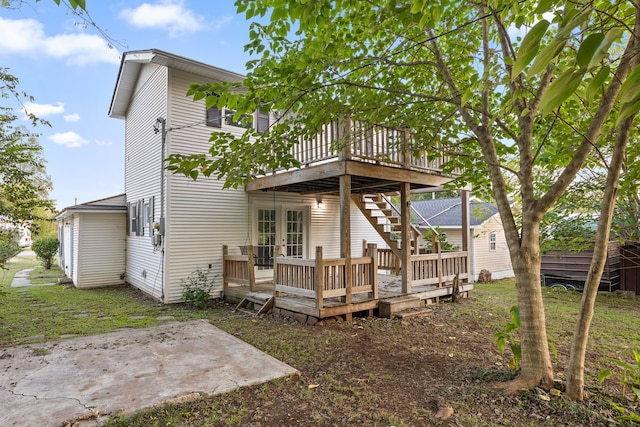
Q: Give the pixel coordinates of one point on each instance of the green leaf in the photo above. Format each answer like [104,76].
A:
[529,47]
[629,90]
[588,48]
[559,90]
[596,83]
[545,57]
[465,97]
[603,374]
[609,38]
[515,316]
[543,6]
[628,109]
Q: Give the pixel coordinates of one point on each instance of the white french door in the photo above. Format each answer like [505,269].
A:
[284,226]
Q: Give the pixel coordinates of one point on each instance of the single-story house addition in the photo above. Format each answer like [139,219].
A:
[488,246]
[304,227]
[92,240]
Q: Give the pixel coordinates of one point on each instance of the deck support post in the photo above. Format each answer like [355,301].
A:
[252,271]
[276,254]
[225,273]
[372,251]
[466,233]
[405,222]
[345,234]
[318,278]
[439,265]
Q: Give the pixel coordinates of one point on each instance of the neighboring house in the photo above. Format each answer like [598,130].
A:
[176,225]
[22,231]
[92,241]
[488,249]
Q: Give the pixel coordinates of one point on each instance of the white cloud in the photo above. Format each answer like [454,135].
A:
[43,110]
[27,37]
[69,139]
[221,23]
[102,143]
[166,14]
[72,117]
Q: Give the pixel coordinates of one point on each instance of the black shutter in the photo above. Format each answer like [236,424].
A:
[128,218]
[139,218]
[214,117]
[263,122]
[150,213]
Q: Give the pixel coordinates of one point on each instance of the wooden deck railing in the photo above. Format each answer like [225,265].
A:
[379,144]
[426,269]
[237,268]
[438,269]
[321,278]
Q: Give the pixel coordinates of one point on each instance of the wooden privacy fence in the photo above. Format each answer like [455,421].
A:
[321,278]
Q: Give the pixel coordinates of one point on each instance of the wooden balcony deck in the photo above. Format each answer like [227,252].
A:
[377,158]
[297,286]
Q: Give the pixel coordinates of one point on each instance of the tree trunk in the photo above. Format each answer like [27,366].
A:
[575,374]
[536,369]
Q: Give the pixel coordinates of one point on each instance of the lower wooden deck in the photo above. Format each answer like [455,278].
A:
[389,288]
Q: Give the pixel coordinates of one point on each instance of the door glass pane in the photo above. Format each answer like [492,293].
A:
[266,238]
[295,231]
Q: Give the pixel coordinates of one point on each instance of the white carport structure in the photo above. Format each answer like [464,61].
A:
[92,242]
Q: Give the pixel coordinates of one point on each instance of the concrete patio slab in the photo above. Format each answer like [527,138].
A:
[89,378]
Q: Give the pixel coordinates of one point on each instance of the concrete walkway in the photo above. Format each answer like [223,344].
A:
[91,378]
[21,278]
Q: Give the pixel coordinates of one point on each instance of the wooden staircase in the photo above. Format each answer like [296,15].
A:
[385,218]
[260,302]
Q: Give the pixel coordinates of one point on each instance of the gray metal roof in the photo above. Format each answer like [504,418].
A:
[448,212]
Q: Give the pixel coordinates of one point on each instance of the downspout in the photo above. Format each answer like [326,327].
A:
[161,228]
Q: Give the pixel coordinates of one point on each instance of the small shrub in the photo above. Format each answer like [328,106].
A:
[506,336]
[45,249]
[631,379]
[196,289]
[8,245]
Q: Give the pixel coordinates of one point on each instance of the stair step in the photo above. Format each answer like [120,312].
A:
[413,313]
[390,306]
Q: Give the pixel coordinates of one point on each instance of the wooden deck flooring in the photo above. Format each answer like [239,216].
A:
[389,287]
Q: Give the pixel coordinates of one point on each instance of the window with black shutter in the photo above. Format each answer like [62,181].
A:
[262,124]
[214,117]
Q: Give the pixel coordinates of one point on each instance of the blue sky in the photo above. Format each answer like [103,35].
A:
[71,70]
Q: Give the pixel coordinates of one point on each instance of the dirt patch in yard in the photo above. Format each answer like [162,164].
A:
[435,370]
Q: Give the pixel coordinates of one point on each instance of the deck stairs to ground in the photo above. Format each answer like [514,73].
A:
[260,302]
[385,218]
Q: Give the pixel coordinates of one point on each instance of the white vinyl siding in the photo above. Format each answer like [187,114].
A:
[101,260]
[75,229]
[498,261]
[142,173]
[201,216]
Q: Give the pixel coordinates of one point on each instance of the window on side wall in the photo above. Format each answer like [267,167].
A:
[244,121]
[262,121]
[214,117]
[133,219]
[492,242]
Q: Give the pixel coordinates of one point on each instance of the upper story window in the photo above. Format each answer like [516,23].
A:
[493,240]
[244,121]
[259,121]
[214,117]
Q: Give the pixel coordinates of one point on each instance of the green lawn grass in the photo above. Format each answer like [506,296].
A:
[49,312]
